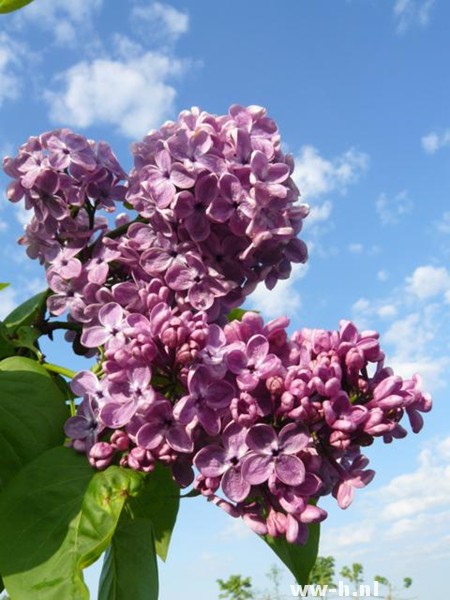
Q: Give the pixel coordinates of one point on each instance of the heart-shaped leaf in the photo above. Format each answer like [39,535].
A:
[56,518]
[32,414]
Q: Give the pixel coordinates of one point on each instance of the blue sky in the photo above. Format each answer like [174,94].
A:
[360,90]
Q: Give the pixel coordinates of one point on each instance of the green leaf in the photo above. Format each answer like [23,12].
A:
[10,5]
[298,559]
[25,337]
[28,312]
[3,286]
[158,501]
[6,348]
[130,569]
[56,518]
[32,414]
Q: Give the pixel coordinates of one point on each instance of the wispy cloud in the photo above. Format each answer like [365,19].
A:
[412,13]
[67,21]
[429,281]
[159,21]
[433,141]
[11,55]
[283,298]
[411,510]
[8,301]
[317,176]
[391,209]
[413,320]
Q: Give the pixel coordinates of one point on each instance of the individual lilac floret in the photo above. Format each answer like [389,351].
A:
[226,462]
[272,453]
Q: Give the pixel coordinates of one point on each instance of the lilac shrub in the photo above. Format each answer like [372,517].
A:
[260,422]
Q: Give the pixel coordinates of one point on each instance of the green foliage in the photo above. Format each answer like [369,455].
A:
[355,573]
[158,501]
[323,571]
[32,414]
[57,516]
[7,6]
[28,312]
[298,559]
[3,286]
[144,530]
[130,569]
[235,588]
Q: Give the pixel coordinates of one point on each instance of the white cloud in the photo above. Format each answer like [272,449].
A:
[10,63]
[413,320]
[160,21]
[319,213]
[433,141]
[66,20]
[316,176]
[355,248]
[410,13]
[283,296]
[22,214]
[382,275]
[387,311]
[428,281]
[391,210]
[131,93]
[8,301]
[412,510]
[443,226]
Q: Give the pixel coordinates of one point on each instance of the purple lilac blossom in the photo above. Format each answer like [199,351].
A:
[271,421]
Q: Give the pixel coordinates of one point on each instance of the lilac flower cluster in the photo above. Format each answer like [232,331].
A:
[269,422]
[64,178]
[219,192]
[261,423]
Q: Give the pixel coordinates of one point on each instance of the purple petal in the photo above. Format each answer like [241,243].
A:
[235,486]
[111,314]
[198,226]
[257,349]
[77,428]
[257,468]
[262,438]
[84,382]
[289,469]
[181,177]
[293,438]
[115,414]
[236,360]
[93,337]
[179,439]
[150,435]
[211,461]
